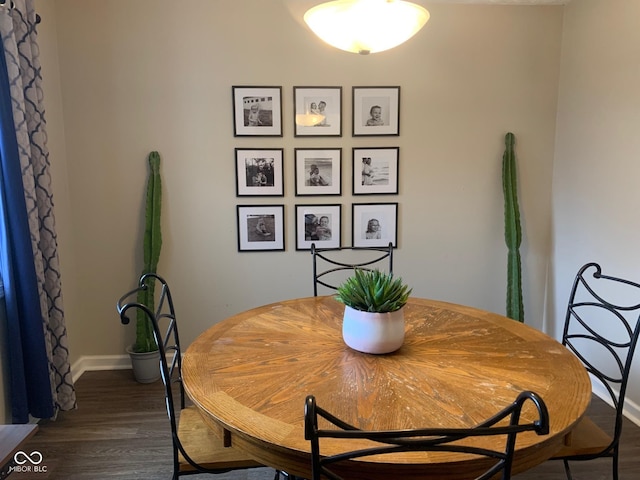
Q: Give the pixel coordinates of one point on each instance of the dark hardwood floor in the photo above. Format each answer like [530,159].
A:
[120,431]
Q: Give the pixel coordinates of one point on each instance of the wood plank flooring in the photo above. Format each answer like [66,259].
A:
[120,431]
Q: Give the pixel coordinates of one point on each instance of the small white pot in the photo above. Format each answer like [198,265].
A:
[146,366]
[371,332]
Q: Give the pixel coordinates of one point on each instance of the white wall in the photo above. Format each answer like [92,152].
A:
[145,75]
[124,78]
[596,168]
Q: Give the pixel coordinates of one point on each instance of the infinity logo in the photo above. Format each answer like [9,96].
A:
[21,458]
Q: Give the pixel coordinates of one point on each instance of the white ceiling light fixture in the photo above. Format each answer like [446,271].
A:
[366,26]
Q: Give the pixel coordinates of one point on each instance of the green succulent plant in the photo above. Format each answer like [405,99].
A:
[373,291]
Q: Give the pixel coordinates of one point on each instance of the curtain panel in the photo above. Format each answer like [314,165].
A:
[40,373]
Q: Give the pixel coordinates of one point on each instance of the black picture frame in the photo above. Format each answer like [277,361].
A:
[364,216]
[375,170]
[317,111]
[257,111]
[260,228]
[319,224]
[318,171]
[367,103]
[259,172]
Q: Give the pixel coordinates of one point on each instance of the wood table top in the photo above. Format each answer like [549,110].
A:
[250,374]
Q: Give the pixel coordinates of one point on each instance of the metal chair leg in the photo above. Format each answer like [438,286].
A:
[567,469]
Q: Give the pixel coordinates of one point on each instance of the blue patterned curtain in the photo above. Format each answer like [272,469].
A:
[39,370]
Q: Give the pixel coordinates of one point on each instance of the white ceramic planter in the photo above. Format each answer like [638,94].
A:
[373,332]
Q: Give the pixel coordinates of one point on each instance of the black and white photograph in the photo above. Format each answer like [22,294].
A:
[259,172]
[375,170]
[318,111]
[374,224]
[257,111]
[376,111]
[260,227]
[319,224]
[318,171]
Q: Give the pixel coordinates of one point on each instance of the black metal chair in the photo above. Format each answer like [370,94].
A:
[196,449]
[331,266]
[601,328]
[420,440]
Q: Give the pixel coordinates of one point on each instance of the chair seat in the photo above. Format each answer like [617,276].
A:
[586,438]
[204,446]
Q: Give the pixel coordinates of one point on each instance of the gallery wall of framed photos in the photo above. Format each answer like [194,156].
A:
[318,170]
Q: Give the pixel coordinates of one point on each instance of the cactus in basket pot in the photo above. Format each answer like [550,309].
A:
[373,319]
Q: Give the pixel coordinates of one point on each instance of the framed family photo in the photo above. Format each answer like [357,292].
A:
[376,111]
[318,171]
[375,170]
[374,224]
[257,111]
[319,224]
[259,172]
[260,227]
[317,111]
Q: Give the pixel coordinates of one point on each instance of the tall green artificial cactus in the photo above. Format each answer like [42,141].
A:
[152,244]
[512,231]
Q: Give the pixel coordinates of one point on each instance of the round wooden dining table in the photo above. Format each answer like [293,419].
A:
[249,376]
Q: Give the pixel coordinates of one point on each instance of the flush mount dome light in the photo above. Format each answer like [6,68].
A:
[366,26]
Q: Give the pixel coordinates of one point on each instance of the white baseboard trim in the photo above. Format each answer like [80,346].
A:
[90,363]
